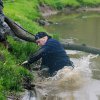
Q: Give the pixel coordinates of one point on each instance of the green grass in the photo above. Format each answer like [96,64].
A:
[21,50]
[25,13]
[89,2]
[59,4]
[11,74]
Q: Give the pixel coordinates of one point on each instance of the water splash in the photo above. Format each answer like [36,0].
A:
[29,95]
[67,83]
[67,79]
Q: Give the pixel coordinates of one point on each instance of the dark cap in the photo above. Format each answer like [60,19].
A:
[40,35]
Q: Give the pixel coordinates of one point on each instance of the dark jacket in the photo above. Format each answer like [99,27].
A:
[53,56]
[1,3]
[1,7]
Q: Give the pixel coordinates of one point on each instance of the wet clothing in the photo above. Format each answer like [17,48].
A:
[53,56]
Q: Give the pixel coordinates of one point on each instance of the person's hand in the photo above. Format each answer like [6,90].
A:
[25,64]
[44,72]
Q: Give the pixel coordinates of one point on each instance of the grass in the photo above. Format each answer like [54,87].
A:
[21,50]
[12,74]
[60,4]
[25,13]
[89,2]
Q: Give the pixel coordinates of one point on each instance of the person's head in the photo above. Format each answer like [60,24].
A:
[41,38]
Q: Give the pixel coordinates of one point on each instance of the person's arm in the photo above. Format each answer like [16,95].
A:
[36,56]
[33,58]
[1,7]
[1,3]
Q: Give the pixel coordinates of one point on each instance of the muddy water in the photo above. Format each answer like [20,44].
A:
[83,83]
[67,84]
[83,28]
[76,84]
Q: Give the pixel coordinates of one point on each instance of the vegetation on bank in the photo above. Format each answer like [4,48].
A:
[11,74]
[60,4]
[25,13]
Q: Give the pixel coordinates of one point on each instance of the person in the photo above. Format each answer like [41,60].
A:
[4,28]
[52,53]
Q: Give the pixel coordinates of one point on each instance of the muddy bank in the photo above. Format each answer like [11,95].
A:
[47,11]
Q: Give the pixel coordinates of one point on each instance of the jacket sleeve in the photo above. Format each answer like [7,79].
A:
[1,3]
[36,56]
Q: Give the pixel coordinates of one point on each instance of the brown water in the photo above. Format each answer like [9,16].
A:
[84,29]
[82,83]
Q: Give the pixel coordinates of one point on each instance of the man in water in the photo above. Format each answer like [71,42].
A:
[52,53]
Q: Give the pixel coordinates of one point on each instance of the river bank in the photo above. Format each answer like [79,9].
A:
[19,12]
[47,11]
